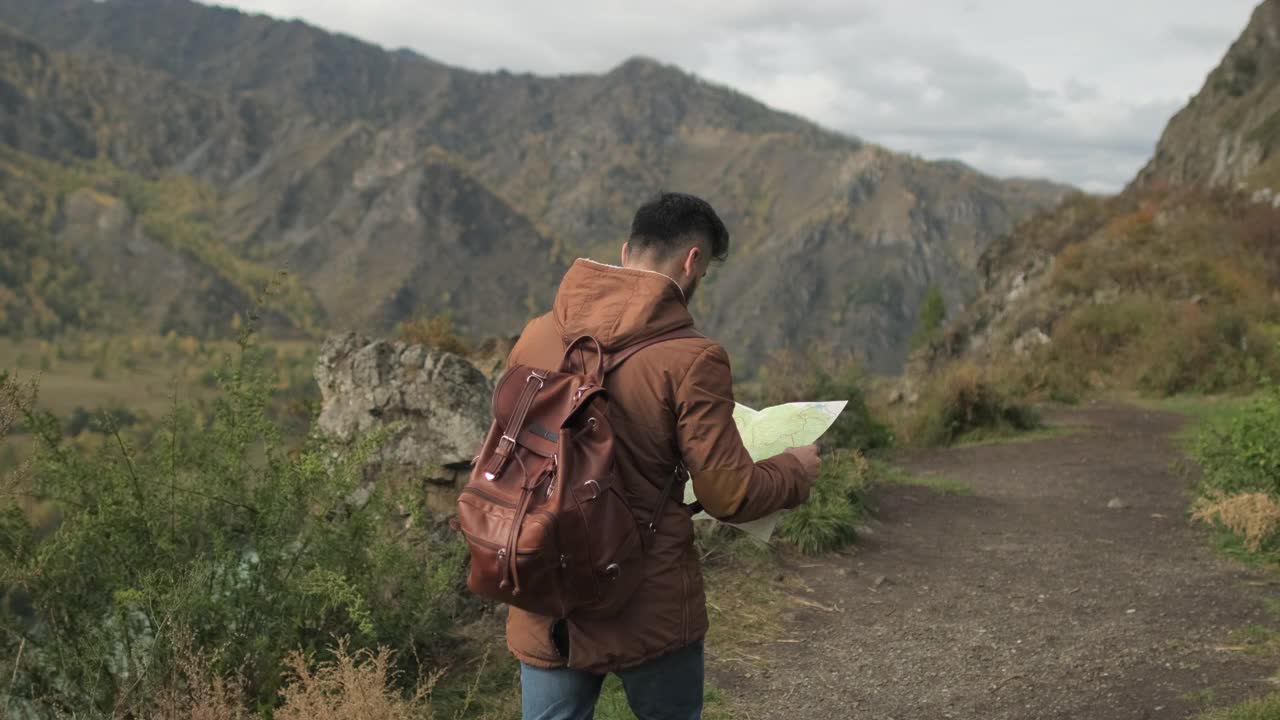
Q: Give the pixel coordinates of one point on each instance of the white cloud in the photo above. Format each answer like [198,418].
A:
[1075,91]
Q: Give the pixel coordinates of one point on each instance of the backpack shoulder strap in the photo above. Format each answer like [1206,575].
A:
[617,358]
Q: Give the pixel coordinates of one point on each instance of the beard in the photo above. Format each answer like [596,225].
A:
[690,289]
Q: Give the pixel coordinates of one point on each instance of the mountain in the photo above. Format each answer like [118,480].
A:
[1170,286]
[389,184]
[1230,132]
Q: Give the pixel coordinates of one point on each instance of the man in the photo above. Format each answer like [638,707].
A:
[671,404]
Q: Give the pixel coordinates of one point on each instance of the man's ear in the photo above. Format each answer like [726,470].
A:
[691,261]
[626,247]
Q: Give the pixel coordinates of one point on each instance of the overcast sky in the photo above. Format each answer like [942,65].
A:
[1076,91]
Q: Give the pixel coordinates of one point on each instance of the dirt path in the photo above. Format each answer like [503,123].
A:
[1029,598]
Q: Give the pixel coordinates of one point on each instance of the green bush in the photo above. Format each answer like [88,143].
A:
[964,404]
[788,377]
[1240,453]
[212,530]
[836,506]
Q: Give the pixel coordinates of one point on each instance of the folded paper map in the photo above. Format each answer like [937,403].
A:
[771,431]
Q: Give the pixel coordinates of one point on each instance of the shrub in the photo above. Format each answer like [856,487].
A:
[1095,335]
[1206,352]
[829,520]
[437,332]
[1241,453]
[788,377]
[964,403]
[215,528]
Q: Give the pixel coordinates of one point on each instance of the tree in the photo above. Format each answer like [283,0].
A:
[933,311]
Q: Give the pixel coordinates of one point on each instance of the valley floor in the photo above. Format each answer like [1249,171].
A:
[1031,597]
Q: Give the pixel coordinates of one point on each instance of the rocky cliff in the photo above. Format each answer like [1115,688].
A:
[434,406]
[1229,134]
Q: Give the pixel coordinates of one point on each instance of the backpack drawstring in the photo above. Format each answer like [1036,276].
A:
[510,574]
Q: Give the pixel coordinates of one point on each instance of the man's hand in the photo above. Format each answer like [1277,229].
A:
[811,461]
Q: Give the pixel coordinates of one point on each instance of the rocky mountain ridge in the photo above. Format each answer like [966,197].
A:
[389,184]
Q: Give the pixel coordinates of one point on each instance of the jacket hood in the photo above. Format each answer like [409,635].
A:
[618,306]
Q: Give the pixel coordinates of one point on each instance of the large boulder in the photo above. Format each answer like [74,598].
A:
[436,404]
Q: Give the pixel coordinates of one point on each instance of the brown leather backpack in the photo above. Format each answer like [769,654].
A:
[544,513]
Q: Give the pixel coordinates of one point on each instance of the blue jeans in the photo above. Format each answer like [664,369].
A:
[669,688]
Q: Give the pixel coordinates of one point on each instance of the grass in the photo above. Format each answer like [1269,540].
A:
[744,601]
[1258,640]
[893,475]
[1203,697]
[1201,410]
[828,521]
[140,372]
[1233,546]
[1267,708]
[1016,437]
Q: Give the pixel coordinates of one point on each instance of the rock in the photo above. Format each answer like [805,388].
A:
[1031,339]
[1018,288]
[881,581]
[1117,504]
[437,403]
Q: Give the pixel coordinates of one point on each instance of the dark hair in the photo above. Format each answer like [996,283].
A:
[670,220]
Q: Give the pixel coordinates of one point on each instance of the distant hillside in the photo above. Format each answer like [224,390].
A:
[390,184]
[1171,286]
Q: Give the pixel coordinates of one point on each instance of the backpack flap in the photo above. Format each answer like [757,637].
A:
[522,403]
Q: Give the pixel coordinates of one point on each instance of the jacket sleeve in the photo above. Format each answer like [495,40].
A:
[725,480]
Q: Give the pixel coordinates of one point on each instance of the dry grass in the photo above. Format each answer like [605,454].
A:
[435,332]
[197,693]
[743,605]
[1254,517]
[351,687]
